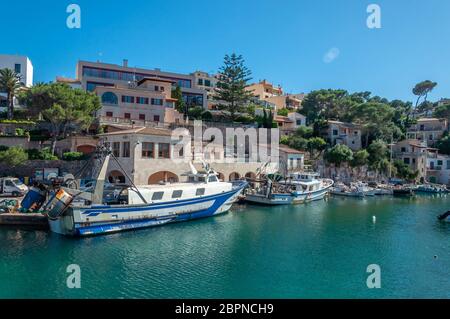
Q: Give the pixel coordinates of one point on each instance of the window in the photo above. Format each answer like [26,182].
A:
[126,149]
[157,195]
[127,115]
[156,88]
[406,160]
[212,179]
[200,82]
[200,192]
[109,114]
[164,150]
[403,149]
[142,117]
[156,118]
[177,194]
[430,137]
[109,98]
[299,122]
[142,100]
[207,83]
[157,102]
[448,164]
[148,150]
[17,68]
[335,132]
[414,161]
[127,99]
[439,162]
[116,149]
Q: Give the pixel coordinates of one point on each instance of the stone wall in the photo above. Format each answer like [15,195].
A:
[28,169]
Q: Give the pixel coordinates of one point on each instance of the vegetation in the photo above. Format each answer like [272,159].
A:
[360,158]
[66,109]
[13,156]
[180,106]
[422,89]
[283,112]
[444,144]
[73,156]
[44,154]
[339,154]
[404,171]
[231,93]
[10,83]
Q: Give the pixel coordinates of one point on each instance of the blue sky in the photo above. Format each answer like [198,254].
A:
[282,41]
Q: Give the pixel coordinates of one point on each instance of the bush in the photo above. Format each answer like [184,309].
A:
[3,148]
[44,154]
[14,156]
[283,112]
[74,156]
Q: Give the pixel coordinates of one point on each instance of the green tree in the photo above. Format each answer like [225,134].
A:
[404,171]
[442,111]
[231,92]
[316,145]
[10,83]
[422,89]
[14,156]
[339,154]
[283,112]
[66,109]
[360,158]
[444,145]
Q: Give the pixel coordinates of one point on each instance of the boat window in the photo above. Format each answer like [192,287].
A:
[201,179]
[191,179]
[200,192]
[212,179]
[157,195]
[177,194]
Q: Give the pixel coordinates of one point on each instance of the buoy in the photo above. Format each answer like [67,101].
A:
[435,256]
[374,219]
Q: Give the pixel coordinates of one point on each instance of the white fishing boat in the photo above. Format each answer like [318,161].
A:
[340,189]
[140,206]
[307,186]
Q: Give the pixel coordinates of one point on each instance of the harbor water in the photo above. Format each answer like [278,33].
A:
[318,250]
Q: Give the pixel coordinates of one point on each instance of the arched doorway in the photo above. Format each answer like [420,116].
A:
[116,177]
[250,175]
[234,176]
[162,176]
[221,176]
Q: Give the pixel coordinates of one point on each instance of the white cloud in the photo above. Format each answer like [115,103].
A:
[331,55]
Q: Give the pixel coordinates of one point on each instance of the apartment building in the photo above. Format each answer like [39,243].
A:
[148,100]
[343,133]
[21,65]
[438,168]
[205,81]
[428,130]
[93,74]
[413,153]
[265,91]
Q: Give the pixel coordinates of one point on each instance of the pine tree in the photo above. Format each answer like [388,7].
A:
[230,92]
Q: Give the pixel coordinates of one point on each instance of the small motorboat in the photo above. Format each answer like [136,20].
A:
[340,189]
[402,191]
[445,217]
[431,188]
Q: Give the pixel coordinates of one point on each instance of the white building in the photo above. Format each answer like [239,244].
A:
[438,168]
[21,65]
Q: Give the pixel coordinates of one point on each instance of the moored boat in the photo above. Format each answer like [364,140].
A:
[307,186]
[431,188]
[340,189]
[140,206]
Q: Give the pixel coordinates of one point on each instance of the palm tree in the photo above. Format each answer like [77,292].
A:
[10,82]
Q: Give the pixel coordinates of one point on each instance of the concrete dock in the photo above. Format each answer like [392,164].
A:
[37,221]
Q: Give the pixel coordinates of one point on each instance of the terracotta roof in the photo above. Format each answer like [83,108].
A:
[287,149]
[285,119]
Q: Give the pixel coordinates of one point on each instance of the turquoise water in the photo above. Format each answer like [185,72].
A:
[318,250]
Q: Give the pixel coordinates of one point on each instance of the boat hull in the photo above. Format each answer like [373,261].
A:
[300,197]
[275,199]
[89,221]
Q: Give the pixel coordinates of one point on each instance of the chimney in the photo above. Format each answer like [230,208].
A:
[125,63]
